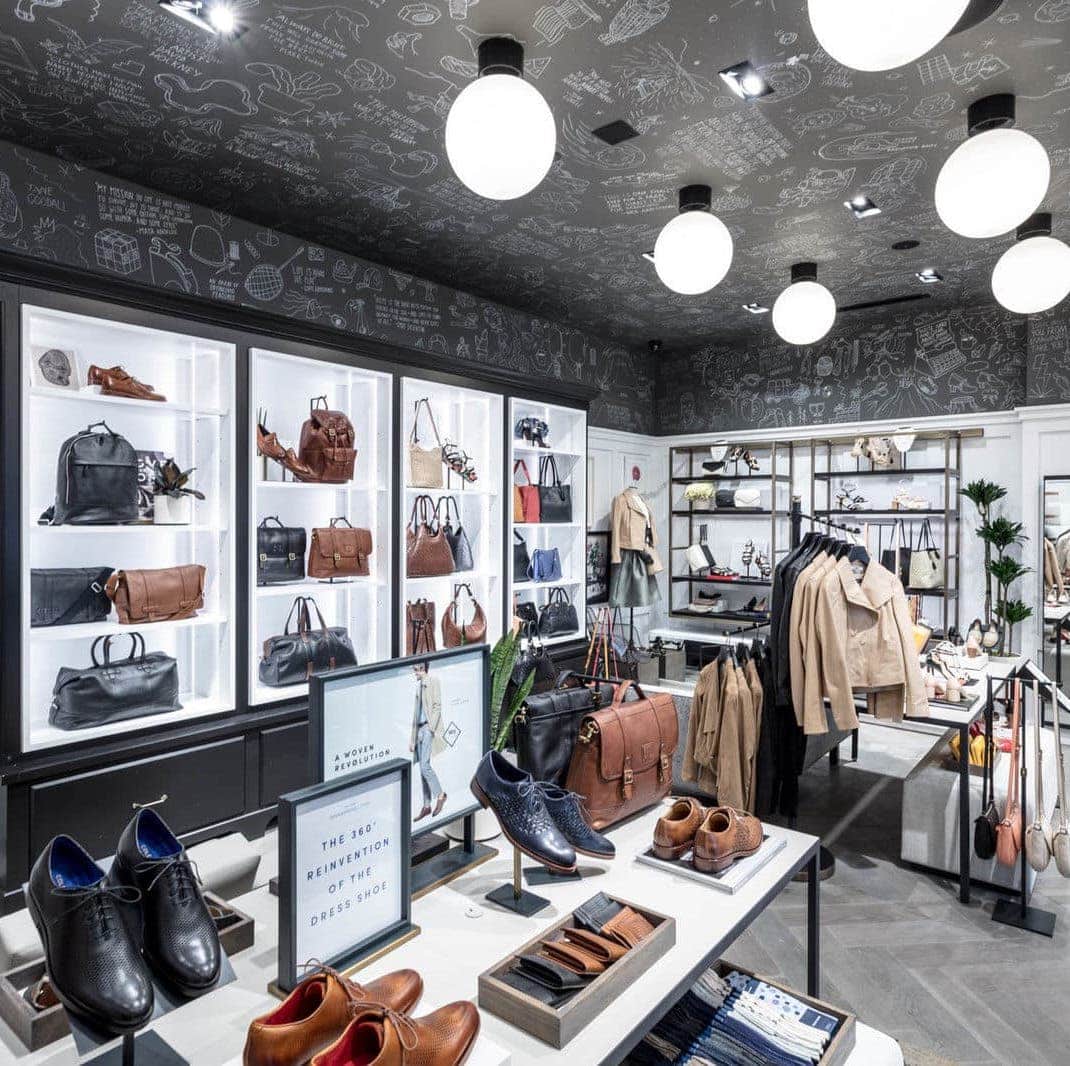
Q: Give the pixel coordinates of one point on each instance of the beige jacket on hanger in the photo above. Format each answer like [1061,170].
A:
[757,695]
[705,708]
[1053,578]
[801,623]
[629,519]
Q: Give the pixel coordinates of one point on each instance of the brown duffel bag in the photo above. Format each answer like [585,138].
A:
[339,550]
[157,595]
[622,761]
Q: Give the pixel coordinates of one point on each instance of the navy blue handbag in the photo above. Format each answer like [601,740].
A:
[545,565]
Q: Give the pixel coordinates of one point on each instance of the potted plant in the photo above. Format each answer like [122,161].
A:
[984,495]
[172,496]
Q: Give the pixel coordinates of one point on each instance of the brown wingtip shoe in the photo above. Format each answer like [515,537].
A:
[316,1013]
[725,836]
[376,1037]
[675,832]
[115,381]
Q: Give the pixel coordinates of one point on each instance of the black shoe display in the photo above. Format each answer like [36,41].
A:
[180,940]
[521,812]
[567,811]
[94,964]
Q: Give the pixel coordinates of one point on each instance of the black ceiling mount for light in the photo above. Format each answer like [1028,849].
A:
[615,132]
[745,81]
[1038,225]
[501,55]
[996,112]
[975,14]
[803,272]
[906,246]
[695,198]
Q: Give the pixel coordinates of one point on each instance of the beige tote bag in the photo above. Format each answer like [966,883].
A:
[425,464]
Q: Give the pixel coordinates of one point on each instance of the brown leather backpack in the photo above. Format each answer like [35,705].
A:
[419,627]
[157,595]
[339,550]
[327,443]
[427,552]
[622,761]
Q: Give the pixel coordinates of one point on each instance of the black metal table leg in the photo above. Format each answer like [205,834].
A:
[964,814]
[854,745]
[813,926]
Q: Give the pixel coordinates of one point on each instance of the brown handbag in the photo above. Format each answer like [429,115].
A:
[327,443]
[339,551]
[157,595]
[1009,830]
[455,633]
[419,627]
[427,552]
[622,761]
[525,497]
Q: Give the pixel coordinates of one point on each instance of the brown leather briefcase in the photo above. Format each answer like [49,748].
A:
[339,551]
[622,761]
[157,595]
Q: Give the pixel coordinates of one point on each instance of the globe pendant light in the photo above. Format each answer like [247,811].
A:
[1034,274]
[882,34]
[694,250]
[996,178]
[500,132]
[805,311]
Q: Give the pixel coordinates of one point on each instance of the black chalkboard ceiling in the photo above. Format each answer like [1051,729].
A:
[326,120]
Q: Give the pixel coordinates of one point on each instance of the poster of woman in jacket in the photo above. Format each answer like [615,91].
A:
[427,740]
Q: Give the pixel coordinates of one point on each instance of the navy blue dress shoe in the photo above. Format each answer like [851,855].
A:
[94,964]
[521,811]
[567,811]
[180,939]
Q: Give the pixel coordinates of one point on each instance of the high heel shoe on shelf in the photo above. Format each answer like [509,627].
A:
[905,500]
[459,461]
[848,497]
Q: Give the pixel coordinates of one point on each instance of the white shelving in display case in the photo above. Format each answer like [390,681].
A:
[282,388]
[194,426]
[469,423]
[566,444]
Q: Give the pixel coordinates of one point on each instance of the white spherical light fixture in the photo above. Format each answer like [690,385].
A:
[882,34]
[805,311]
[500,132]
[996,178]
[694,250]
[1034,274]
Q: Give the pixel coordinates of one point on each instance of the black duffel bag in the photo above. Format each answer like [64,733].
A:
[555,499]
[67,596]
[292,658]
[546,727]
[96,480]
[115,689]
[558,615]
[280,552]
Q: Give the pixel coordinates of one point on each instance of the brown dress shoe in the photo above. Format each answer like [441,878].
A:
[316,1013]
[301,471]
[725,836]
[675,831]
[115,381]
[378,1037]
[268,444]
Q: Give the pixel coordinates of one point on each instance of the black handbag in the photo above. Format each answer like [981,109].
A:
[115,689]
[555,499]
[292,658]
[96,480]
[984,826]
[558,615]
[280,552]
[456,538]
[546,727]
[69,596]
[521,559]
[533,656]
[724,499]
[896,558]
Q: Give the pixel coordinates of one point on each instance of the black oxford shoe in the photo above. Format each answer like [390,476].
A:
[567,811]
[521,812]
[179,937]
[94,964]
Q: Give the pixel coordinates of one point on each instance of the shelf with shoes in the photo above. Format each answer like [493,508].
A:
[284,387]
[147,395]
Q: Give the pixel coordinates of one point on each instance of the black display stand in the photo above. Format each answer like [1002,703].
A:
[542,875]
[514,897]
[440,863]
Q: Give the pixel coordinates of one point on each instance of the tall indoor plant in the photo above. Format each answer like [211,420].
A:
[984,495]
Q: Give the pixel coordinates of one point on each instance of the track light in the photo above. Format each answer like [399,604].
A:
[861,206]
[218,17]
[929,276]
[745,81]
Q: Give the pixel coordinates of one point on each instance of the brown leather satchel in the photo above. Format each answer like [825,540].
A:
[455,633]
[622,761]
[427,552]
[419,627]
[157,595]
[327,444]
[339,550]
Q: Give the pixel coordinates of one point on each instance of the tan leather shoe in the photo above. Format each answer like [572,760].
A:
[268,444]
[675,831]
[115,381]
[316,1013]
[378,1037]
[725,836]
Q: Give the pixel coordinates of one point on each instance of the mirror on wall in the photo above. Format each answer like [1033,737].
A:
[1054,568]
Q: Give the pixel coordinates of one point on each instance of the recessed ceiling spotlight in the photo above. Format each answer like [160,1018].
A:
[745,81]
[756,308]
[929,276]
[648,256]
[861,206]
[218,17]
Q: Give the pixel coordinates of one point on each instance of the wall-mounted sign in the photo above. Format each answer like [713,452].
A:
[344,890]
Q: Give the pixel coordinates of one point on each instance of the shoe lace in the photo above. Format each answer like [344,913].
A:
[408,1035]
[183,877]
[97,902]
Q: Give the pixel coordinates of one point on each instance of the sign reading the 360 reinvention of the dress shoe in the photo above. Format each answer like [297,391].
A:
[344,869]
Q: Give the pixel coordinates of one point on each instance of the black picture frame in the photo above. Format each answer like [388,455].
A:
[596,567]
[348,955]
[319,684]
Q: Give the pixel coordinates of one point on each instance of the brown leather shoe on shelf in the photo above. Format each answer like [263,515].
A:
[268,444]
[675,831]
[115,381]
[301,471]
[378,1037]
[725,836]
[317,1011]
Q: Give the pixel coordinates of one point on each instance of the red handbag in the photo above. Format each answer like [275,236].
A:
[526,497]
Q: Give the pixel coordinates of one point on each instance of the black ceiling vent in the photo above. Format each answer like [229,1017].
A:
[906,246]
[870,305]
[616,132]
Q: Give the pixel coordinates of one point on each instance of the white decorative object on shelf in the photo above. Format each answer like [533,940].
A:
[172,510]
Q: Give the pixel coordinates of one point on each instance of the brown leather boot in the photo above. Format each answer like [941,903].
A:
[115,381]
[674,833]
[725,836]
[378,1037]
[316,1013]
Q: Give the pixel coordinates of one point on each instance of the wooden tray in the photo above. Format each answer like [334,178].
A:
[557,1026]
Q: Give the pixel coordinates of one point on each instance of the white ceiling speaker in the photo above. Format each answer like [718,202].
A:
[694,250]
[500,132]
[1034,274]
[805,311]
[996,178]
[882,34]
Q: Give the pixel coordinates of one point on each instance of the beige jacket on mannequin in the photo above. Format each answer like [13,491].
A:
[629,520]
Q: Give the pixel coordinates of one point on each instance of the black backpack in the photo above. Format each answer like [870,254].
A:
[96,480]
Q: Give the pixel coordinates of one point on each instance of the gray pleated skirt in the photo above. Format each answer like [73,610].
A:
[629,583]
